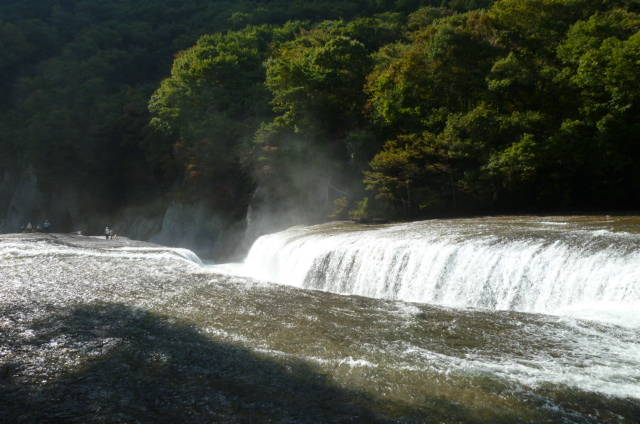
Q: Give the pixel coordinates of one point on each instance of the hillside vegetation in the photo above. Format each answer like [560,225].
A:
[412,108]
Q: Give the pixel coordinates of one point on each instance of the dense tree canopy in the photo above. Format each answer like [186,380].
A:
[530,108]
[432,107]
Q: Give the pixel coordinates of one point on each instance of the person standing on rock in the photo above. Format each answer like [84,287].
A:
[106,233]
[47,226]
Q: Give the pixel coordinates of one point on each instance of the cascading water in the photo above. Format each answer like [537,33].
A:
[95,330]
[523,264]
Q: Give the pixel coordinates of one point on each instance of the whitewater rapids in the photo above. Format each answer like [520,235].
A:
[93,331]
[583,267]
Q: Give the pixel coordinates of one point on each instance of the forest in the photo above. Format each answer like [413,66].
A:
[413,108]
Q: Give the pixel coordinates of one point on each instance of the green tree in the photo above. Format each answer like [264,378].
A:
[317,83]
[413,175]
[214,101]
[601,56]
[442,71]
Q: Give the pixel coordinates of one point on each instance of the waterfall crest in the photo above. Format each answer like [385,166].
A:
[523,264]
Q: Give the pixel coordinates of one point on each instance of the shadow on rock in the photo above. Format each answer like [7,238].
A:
[111,363]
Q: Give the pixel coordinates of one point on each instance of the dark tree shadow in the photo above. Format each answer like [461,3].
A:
[111,363]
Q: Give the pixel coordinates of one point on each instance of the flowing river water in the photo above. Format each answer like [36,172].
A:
[487,320]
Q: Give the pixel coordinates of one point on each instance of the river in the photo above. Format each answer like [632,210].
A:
[502,320]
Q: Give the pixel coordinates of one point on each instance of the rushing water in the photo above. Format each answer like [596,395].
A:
[475,321]
[551,265]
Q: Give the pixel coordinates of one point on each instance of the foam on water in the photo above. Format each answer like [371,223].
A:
[539,266]
[612,313]
[387,347]
[559,268]
[22,251]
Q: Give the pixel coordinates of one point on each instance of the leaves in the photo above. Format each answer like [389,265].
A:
[516,105]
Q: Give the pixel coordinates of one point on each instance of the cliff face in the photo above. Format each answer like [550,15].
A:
[195,226]
[7,187]
[21,200]
[198,226]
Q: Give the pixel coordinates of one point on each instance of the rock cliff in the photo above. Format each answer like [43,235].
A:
[198,225]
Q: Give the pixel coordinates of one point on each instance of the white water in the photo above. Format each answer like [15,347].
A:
[397,349]
[561,267]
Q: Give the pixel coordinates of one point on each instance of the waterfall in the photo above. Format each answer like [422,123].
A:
[522,264]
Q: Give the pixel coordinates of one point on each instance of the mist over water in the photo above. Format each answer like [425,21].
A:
[92,331]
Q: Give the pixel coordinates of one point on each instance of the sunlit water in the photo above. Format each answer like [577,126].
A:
[93,331]
[581,267]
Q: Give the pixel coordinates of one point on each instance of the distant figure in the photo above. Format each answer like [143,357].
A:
[106,233]
[47,226]
[39,228]
[111,233]
[29,227]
